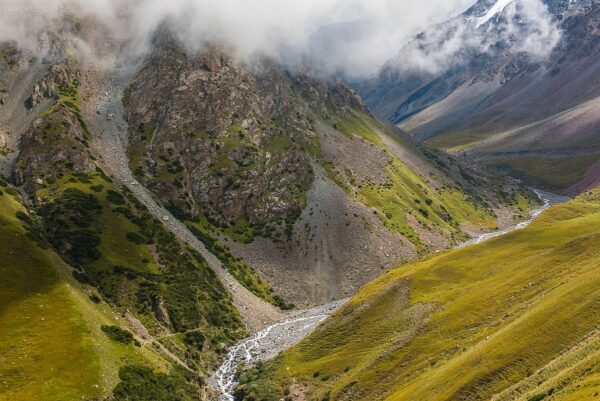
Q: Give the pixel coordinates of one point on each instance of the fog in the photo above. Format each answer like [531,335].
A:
[355,37]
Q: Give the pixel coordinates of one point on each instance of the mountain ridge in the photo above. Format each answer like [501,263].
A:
[500,100]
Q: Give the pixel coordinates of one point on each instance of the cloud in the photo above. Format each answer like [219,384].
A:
[280,28]
[509,26]
[354,37]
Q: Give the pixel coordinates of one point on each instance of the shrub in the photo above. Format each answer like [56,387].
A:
[116,333]
[139,383]
[95,299]
[537,397]
[194,340]
[115,197]
[136,238]
[282,304]
[23,216]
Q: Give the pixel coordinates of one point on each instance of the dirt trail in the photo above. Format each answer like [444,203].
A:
[102,92]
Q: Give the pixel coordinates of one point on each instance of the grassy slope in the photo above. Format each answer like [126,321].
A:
[51,345]
[406,192]
[193,295]
[469,323]
[552,173]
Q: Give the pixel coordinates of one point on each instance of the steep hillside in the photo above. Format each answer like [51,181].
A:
[147,316]
[294,176]
[52,345]
[514,318]
[536,117]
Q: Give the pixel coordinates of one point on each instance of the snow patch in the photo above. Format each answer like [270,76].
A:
[495,9]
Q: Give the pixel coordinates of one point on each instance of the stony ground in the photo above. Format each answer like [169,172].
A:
[339,245]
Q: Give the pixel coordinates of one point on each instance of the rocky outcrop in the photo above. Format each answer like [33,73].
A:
[52,147]
[59,75]
[232,141]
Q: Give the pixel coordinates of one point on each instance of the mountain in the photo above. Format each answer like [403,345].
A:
[294,174]
[154,213]
[513,318]
[495,98]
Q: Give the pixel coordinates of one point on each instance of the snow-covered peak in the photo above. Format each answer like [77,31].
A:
[498,7]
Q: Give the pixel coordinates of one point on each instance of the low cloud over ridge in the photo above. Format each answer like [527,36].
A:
[351,36]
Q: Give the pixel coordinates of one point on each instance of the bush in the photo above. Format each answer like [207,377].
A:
[23,216]
[116,333]
[95,299]
[115,197]
[139,383]
[194,340]
[537,397]
[282,304]
[136,238]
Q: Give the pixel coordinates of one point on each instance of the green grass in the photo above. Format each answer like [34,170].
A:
[467,322]
[552,173]
[51,346]
[406,192]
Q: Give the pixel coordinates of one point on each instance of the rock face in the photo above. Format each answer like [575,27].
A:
[59,75]
[277,165]
[54,145]
[57,141]
[232,141]
[502,103]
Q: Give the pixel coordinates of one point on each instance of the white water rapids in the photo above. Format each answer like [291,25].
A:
[267,343]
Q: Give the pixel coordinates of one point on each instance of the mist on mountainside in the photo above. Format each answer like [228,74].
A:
[343,36]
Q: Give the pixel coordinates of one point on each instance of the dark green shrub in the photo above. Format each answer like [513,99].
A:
[139,383]
[23,216]
[95,299]
[194,340]
[116,333]
[282,304]
[136,238]
[537,397]
[115,197]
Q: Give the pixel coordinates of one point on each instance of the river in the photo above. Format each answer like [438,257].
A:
[267,343]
